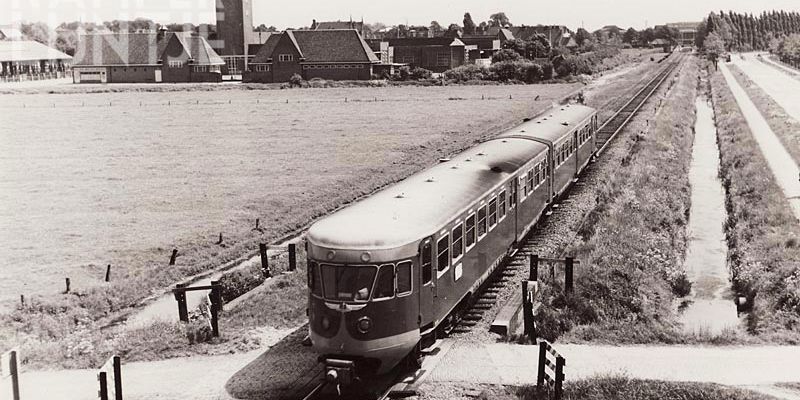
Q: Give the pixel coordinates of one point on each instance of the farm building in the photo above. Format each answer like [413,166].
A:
[336,54]
[480,47]
[436,54]
[145,58]
[28,60]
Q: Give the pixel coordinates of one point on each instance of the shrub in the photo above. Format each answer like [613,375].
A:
[469,72]
[505,71]
[419,74]
[506,55]
[239,282]
[296,81]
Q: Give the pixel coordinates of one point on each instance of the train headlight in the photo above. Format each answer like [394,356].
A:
[326,323]
[364,324]
[365,256]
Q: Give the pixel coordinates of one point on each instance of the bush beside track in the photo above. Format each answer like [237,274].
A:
[762,232]
[633,242]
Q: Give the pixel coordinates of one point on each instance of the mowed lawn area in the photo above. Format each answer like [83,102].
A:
[88,180]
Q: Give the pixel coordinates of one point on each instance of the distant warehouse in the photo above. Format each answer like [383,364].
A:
[335,54]
[145,58]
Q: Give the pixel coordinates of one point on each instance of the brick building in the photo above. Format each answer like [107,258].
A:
[145,58]
[335,54]
[437,54]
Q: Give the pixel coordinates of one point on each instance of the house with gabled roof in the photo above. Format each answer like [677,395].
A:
[437,54]
[333,54]
[145,57]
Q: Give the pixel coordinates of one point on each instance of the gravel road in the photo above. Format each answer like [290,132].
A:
[779,160]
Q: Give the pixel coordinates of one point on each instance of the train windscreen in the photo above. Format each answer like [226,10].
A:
[347,283]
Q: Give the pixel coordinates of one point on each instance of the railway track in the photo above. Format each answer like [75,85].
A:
[613,125]
[488,294]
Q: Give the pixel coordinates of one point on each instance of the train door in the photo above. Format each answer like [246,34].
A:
[427,286]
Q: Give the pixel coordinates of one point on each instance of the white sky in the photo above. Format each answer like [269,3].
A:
[573,13]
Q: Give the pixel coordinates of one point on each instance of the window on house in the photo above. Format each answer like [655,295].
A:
[201,68]
[216,69]
[481,222]
[384,285]
[443,59]
[443,248]
[408,59]
[176,64]
[427,258]
[285,57]
[458,242]
[404,285]
[493,212]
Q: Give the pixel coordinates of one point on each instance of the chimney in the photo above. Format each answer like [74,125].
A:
[162,32]
[313,24]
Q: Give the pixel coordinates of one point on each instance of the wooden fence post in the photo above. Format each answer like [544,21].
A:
[103,380]
[258,224]
[216,307]
[108,273]
[220,238]
[262,248]
[14,371]
[527,312]
[560,362]
[292,257]
[67,282]
[534,276]
[117,378]
[542,360]
[180,296]
[568,270]
[173,257]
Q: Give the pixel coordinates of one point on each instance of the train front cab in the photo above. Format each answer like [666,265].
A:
[363,317]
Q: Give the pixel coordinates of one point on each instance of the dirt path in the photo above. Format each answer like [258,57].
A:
[779,160]
[200,378]
[508,364]
[781,87]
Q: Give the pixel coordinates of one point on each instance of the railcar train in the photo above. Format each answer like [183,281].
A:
[390,271]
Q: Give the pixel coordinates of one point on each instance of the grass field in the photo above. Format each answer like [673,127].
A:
[86,184]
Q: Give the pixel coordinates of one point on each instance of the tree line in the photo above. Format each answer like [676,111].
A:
[747,32]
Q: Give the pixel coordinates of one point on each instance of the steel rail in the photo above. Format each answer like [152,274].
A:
[625,111]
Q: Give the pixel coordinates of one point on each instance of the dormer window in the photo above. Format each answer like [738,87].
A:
[176,64]
[285,57]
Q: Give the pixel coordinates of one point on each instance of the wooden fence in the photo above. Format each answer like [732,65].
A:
[551,370]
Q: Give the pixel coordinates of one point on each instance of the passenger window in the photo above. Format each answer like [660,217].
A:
[524,184]
[513,196]
[384,287]
[404,278]
[502,206]
[482,221]
[470,240]
[443,247]
[493,212]
[458,242]
[313,279]
[530,180]
[427,258]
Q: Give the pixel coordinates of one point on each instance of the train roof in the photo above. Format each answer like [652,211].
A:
[551,126]
[425,202]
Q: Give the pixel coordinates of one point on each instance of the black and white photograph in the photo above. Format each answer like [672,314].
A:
[421,200]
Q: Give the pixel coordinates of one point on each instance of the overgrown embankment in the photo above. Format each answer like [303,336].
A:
[762,232]
[633,243]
